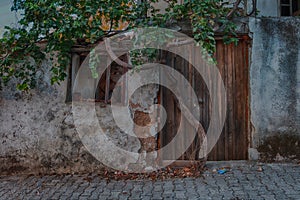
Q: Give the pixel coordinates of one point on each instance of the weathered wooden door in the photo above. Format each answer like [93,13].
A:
[233,64]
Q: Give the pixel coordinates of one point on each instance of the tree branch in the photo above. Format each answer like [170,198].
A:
[234,9]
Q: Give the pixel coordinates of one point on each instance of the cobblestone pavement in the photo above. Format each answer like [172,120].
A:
[242,181]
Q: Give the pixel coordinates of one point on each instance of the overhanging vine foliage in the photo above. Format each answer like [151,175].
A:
[52,27]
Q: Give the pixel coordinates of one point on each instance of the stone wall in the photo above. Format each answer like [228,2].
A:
[37,132]
[275,87]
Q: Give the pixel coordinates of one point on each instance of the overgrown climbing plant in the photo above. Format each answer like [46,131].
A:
[52,27]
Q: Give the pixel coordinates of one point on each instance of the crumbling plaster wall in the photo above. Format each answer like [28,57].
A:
[275,87]
[268,8]
[37,132]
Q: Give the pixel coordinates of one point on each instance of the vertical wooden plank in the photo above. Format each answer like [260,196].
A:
[239,95]
[236,102]
[107,81]
[199,91]
[218,150]
[202,93]
[170,109]
[180,121]
[230,100]
[160,99]
[223,145]
[207,103]
[225,78]
[244,74]
[241,98]
[190,154]
[189,72]
[246,87]
[246,95]
[164,99]
[180,66]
